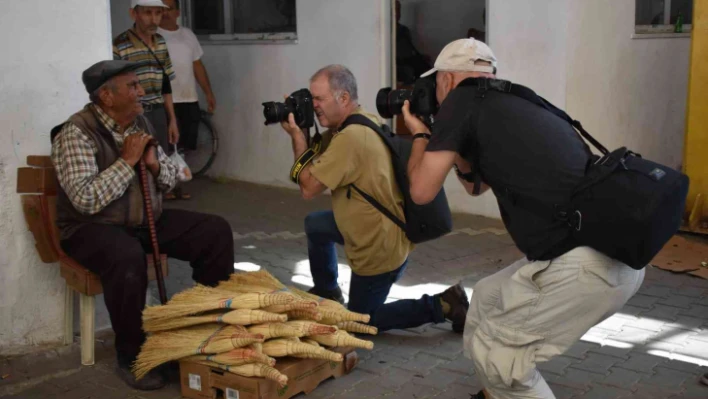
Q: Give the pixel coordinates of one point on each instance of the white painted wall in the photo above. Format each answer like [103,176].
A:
[40,86]
[627,92]
[329,31]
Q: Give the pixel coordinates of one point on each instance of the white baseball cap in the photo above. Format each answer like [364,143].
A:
[147,3]
[461,55]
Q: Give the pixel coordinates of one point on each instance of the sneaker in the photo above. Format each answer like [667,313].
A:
[153,380]
[335,294]
[704,379]
[456,297]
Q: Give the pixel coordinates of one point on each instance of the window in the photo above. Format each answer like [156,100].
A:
[662,16]
[242,21]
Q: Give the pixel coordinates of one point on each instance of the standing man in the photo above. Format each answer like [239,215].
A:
[185,53]
[143,45]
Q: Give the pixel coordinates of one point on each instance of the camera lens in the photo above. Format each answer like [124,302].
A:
[389,102]
[274,112]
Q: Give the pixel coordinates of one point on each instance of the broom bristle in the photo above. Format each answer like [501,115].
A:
[202,293]
[163,347]
[259,278]
[235,286]
[201,299]
[153,325]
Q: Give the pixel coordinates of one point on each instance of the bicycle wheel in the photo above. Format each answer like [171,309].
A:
[201,159]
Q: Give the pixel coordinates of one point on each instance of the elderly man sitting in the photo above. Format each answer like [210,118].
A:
[100,210]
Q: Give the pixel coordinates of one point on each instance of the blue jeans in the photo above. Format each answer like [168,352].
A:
[367,294]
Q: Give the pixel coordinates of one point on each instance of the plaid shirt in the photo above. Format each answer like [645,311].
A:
[128,46]
[74,159]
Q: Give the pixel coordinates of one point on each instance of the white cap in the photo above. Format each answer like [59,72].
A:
[147,3]
[460,56]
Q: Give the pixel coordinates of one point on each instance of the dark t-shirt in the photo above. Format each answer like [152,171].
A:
[524,150]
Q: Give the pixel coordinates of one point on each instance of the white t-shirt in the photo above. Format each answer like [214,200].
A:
[184,49]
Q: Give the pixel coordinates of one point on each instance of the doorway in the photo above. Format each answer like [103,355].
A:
[421,28]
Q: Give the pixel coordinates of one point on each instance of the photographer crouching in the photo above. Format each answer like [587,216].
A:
[377,249]
[531,158]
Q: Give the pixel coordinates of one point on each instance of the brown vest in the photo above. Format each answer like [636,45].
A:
[129,209]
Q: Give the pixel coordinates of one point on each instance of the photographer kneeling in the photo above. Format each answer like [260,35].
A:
[377,249]
[539,306]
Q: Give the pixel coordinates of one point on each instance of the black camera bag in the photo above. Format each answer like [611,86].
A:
[423,222]
[626,207]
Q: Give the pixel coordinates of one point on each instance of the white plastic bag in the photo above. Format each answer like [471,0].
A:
[183,172]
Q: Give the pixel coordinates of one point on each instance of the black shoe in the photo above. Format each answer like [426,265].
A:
[456,297]
[335,294]
[478,395]
[153,380]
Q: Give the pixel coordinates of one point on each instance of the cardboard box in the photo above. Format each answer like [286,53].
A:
[304,375]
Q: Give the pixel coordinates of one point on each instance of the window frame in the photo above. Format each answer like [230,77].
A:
[236,38]
[666,29]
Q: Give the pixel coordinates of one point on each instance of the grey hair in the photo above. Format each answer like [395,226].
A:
[340,78]
[95,96]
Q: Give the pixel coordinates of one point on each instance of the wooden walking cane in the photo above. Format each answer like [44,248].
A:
[147,200]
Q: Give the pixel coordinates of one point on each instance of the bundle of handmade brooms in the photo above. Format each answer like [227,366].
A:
[244,323]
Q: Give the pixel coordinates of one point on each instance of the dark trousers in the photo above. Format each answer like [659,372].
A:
[367,294]
[117,255]
[157,116]
[188,117]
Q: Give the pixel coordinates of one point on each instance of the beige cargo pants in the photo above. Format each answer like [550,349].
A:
[531,311]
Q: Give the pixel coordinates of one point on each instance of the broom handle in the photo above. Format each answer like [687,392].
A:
[153,232]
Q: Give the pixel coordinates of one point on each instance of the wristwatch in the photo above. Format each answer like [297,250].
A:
[421,135]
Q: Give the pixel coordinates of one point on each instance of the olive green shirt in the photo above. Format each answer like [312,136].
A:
[357,155]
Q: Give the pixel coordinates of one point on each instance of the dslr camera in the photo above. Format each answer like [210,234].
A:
[299,103]
[422,98]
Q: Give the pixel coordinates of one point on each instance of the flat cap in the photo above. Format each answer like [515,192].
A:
[102,71]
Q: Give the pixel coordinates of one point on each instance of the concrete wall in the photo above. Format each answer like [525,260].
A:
[627,92]
[244,76]
[40,86]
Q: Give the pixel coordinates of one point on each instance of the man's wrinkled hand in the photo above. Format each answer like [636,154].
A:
[134,147]
[413,123]
[292,128]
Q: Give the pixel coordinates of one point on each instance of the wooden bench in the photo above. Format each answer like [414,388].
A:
[38,185]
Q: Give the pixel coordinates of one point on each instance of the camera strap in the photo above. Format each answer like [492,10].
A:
[307,156]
